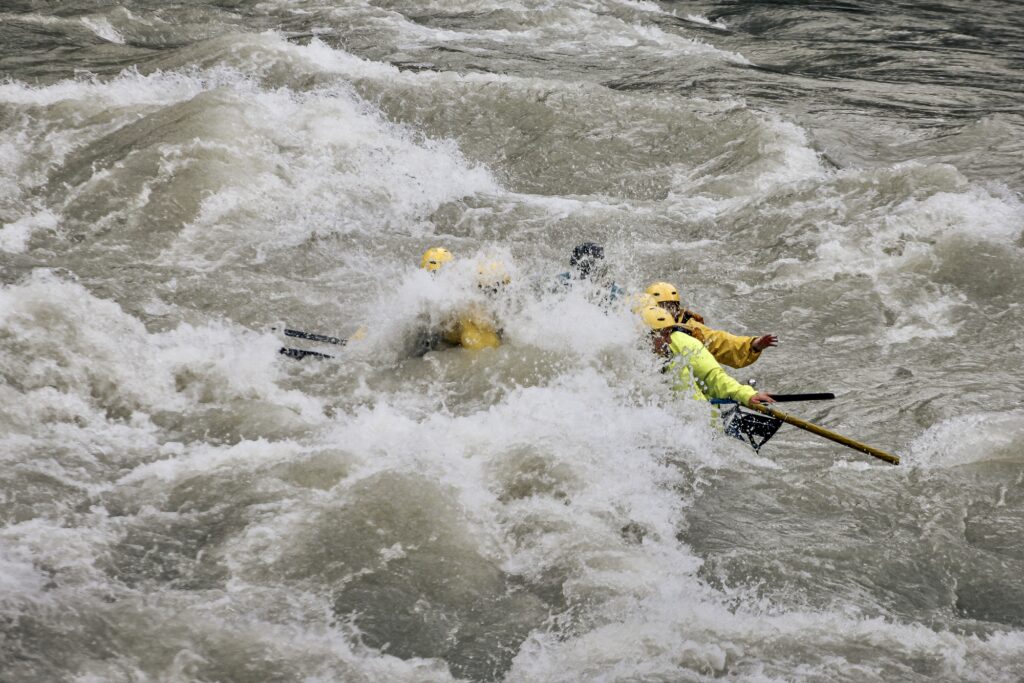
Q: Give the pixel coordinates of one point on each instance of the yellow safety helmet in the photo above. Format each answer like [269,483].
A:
[492,274]
[657,318]
[640,301]
[434,258]
[663,291]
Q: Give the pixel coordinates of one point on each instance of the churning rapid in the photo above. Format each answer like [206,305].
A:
[180,181]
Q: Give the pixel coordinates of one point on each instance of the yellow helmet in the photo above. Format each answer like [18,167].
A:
[492,274]
[663,291]
[657,318]
[640,301]
[434,258]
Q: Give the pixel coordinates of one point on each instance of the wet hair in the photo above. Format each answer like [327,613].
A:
[585,256]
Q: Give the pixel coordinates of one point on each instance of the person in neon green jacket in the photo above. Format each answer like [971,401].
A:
[696,369]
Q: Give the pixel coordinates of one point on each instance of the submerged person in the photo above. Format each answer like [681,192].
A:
[696,370]
[736,351]
[473,328]
[587,265]
[476,327]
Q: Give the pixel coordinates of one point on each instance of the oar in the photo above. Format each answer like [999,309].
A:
[782,398]
[312,336]
[821,431]
[299,354]
[785,398]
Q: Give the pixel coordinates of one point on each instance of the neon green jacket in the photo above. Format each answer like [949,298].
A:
[700,374]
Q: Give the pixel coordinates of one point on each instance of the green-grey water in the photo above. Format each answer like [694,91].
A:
[178,502]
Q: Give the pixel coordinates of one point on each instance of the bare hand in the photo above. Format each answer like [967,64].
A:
[762,343]
[761,397]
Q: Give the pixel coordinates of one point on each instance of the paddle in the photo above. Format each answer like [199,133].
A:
[756,430]
[299,354]
[785,398]
[750,428]
[312,336]
[830,435]
[782,398]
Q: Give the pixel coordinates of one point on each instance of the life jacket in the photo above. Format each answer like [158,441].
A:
[473,330]
[734,350]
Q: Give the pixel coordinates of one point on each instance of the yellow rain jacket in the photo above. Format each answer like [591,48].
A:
[474,329]
[728,349]
[700,374]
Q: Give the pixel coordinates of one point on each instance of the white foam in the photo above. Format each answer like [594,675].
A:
[50,122]
[618,481]
[61,340]
[101,27]
[129,88]
[318,164]
[292,167]
[20,581]
[573,320]
[776,154]
[14,237]
[971,438]
[992,214]
[897,238]
[573,30]
[67,552]
[676,630]
[900,244]
[701,19]
[206,459]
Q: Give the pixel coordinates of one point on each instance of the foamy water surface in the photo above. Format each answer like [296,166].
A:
[178,183]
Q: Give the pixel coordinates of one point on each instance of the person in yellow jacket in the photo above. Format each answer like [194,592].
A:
[474,328]
[736,351]
[697,371]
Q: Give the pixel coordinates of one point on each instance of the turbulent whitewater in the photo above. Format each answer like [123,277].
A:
[179,502]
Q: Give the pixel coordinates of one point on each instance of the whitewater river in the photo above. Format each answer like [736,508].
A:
[179,502]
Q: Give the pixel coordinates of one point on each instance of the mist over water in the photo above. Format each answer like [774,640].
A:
[178,502]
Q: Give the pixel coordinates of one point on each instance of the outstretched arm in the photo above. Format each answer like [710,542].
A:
[734,350]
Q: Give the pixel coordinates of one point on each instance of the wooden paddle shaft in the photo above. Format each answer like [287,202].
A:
[830,435]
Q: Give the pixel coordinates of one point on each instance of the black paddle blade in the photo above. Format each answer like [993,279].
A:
[751,428]
[299,354]
[312,336]
[786,398]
